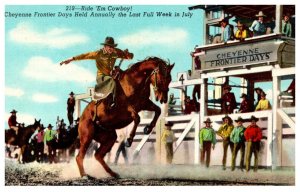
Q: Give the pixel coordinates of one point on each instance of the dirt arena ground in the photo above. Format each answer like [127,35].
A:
[66,174]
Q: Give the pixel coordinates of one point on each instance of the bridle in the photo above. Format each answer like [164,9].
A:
[154,72]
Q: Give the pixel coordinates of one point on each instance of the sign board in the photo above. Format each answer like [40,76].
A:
[182,76]
[241,54]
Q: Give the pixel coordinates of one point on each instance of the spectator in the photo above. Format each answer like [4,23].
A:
[207,140]
[246,105]
[286,26]
[224,132]
[258,91]
[242,33]
[258,26]
[40,144]
[190,105]
[12,121]
[172,100]
[168,138]
[196,92]
[70,108]
[226,32]
[238,140]
[121,148]
[228,100]
[253,136]
[270,26]
[49,140]
[263,104]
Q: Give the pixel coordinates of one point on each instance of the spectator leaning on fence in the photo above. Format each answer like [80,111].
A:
[253,136]
[207,140]
[168,139]
[238,139]
[224,132]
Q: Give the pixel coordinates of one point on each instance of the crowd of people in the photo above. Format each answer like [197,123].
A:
[239,138]
[258,27]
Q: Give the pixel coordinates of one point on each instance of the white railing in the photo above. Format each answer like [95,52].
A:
[192,122]
[286,118]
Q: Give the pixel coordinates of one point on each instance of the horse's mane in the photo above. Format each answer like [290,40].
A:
[135,66]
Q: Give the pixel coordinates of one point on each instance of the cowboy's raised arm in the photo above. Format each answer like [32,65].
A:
[90,55]
[67,61]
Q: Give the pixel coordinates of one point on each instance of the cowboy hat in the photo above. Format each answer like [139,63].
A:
[243,95]
[253,118]
[169,124]
[207,121]
[13,111]
[263,94]
[239,119]
[227,117]
[110,42]
[49,126]
[258,88]
[239,24]
[71,93]
[223,21]
[260,14]
[227,87]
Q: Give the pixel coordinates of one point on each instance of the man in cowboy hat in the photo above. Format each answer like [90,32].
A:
[12,121]
[242,33]
[226,32]
[263,104]
[253,136]
[70,107]
[258,26]
[238,139]
[168,139]
[49,140]
[224,132]
[246,105]
[207,140]
[105,60]
[228,100]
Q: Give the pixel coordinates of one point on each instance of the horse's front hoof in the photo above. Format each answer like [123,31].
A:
[115,175]
[147,130]
[85,177]
[128,142]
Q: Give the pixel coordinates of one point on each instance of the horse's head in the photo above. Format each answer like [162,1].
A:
[36,124]
[160,79]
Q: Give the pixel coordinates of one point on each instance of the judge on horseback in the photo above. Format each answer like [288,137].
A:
[12,121]
[105,60]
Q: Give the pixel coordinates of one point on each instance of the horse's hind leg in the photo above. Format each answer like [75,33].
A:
[85,133]
[107,140]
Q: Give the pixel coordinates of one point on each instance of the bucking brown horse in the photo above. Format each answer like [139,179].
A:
[22,139]
[132,96]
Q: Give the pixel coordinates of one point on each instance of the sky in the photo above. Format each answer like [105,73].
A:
[38,87]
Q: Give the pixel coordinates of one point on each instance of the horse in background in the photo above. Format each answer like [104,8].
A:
[22,139]
[132,96]
[65,141]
